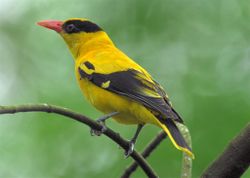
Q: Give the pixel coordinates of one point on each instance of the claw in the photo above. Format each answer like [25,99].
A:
[101,121]
[130,149]
[94,132]
[132,141]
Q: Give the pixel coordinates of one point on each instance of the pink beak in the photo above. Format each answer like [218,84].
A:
[55,25]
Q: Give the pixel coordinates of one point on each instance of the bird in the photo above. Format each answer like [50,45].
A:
[115,84]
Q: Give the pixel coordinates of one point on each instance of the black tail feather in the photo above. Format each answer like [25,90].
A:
[175,133]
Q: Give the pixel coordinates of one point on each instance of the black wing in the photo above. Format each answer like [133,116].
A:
[135,85]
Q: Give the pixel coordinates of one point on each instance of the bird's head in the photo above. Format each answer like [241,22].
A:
[75,31]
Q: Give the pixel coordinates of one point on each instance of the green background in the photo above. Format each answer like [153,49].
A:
[199,50]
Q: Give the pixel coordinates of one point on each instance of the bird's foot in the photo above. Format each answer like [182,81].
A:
[101,121]
[130,149]
[94,132]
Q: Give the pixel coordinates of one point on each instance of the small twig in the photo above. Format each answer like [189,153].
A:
[83,119]
[234,161]
[147,151]
[186,171]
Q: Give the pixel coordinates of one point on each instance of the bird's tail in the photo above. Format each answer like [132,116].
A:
[175,136]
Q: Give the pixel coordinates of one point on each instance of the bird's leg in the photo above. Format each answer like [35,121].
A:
[133,140]
[101,121]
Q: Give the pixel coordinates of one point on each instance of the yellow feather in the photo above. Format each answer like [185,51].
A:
[98,49]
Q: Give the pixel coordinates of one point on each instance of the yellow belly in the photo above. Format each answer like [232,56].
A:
[130,111]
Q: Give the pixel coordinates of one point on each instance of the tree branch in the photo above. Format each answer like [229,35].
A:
[186,160]
[83,119]
[234,161]
[147,151]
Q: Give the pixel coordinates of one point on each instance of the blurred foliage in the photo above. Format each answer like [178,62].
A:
[198,50]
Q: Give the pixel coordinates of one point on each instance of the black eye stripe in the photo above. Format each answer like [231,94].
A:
[85,26]
[71,28]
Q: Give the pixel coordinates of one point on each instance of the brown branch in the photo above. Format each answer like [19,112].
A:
[186,160]
[147,151]
[83,119]
[234,161]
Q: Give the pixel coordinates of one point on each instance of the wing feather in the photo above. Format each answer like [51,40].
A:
[137,86]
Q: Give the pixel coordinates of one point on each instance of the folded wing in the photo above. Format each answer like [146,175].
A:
[137,86]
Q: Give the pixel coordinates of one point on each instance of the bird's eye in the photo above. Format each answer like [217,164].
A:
[71,28]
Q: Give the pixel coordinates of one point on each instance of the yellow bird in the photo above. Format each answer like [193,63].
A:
[115,84]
